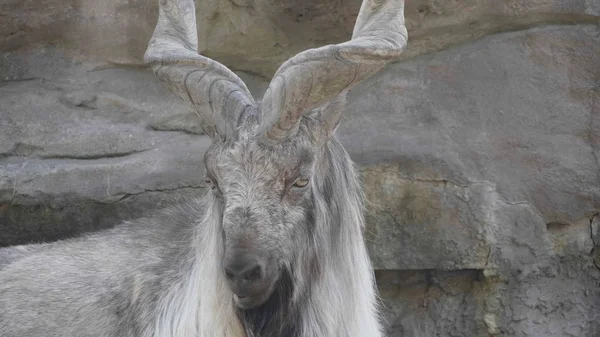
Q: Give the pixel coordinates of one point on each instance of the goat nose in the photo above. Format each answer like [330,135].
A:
[243,269]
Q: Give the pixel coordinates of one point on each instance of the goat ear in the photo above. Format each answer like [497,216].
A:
[218,95]
[315,76]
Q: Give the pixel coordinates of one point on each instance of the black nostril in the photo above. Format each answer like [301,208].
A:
[243,269]
[252,274]
[246,274]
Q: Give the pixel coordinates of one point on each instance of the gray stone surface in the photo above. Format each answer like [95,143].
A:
[480,161]
[482,175]
[476,140]
[258,35]
[82,152]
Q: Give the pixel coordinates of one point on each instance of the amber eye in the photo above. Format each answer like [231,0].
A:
[301,181]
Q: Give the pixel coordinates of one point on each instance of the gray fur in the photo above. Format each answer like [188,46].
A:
[162,276]
[11,254]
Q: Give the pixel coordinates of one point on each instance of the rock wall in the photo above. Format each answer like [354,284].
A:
[479,150]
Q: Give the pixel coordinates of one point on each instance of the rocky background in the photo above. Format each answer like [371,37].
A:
[480,149]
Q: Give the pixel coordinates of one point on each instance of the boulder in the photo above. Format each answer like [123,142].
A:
[258,35]
[482,180]
[471,146]
[83,152]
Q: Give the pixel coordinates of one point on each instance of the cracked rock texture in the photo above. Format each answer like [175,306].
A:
[479,149]
[485,157]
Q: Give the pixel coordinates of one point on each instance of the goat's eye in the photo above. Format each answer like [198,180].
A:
[210,183]
[301,181]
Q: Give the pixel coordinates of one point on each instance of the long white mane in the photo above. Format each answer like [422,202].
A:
[341,299]
[199,303]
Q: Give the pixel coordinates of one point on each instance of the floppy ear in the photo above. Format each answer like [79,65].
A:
[317,76]
[217,94]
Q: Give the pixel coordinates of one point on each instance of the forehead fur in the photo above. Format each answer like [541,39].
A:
[248,156]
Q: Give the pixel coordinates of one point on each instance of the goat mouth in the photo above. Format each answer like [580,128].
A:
[250,302]
[247,301]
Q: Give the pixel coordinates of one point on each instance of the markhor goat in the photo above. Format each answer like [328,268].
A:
[275,248]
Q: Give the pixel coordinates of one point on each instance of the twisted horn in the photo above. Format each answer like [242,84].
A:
[218,95]
[316,76]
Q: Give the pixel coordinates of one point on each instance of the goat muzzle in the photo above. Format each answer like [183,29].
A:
[250,277]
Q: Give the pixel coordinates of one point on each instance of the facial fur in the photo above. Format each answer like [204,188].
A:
[265,195]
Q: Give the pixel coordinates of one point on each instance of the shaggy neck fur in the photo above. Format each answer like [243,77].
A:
[328,291]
